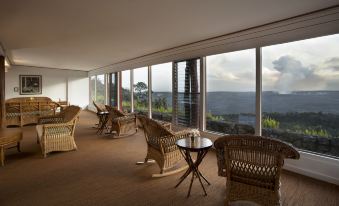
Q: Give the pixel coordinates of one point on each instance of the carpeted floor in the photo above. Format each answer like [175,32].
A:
[103,172]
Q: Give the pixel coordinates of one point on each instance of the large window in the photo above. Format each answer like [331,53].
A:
[126,90]
[162,92]
[140,85]
[301,93]
[186,93]
[231,92]
[100,89]
[113,95]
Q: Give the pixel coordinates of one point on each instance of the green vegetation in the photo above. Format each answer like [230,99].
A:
[309,123]
[313,124]
[159,104]
[212,117]
[270,123]
[313,132]
[140,95]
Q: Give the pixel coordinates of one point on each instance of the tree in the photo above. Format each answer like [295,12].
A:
[140,90]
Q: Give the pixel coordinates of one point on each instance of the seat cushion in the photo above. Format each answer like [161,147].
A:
[39,130]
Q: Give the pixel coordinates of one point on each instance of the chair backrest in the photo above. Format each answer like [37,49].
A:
[114,112]
[99,107]
[253,160]
[70,113]
[152,128]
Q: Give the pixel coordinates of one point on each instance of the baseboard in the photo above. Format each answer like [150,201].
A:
[315,166]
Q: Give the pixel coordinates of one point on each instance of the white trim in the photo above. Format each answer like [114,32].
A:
[315,166]
[302,27]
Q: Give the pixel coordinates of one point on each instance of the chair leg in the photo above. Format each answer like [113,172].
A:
[2,155]
[18,147]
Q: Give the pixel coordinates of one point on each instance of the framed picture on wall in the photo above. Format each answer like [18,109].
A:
[30,84]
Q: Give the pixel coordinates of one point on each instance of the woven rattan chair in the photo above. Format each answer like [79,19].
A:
[120,123]
[252,165]
[56,133]
[161,145]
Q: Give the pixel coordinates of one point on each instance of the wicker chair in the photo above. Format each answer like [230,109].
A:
[123,124]
[161,145]
[252,166]
[56,133]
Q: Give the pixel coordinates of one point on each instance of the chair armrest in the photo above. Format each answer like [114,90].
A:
[124,119]
[58,130]
[50,119]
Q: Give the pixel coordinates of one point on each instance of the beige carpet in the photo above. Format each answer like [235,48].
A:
[103,172]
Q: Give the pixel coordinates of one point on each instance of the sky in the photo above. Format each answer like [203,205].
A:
[305,65]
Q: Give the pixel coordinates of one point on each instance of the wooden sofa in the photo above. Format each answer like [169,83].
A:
[27,110]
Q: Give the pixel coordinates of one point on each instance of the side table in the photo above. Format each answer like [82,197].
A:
[9,136]
[200,145]
[103,119]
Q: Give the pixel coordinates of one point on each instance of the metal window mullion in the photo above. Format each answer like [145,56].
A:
[107,88]
[202,108]
[150,91]
[258,89]
[95,88]
[118,85]
[132,89]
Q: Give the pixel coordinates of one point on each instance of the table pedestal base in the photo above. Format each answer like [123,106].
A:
[194,169]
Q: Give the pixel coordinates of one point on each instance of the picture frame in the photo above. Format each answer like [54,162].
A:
[30,84]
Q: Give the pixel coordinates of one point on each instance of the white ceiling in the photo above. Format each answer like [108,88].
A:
[84,35]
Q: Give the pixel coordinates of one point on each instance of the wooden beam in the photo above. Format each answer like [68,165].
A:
[2,91]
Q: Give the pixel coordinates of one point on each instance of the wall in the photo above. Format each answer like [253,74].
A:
[56,83]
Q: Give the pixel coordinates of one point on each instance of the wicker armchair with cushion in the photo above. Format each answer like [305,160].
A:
[252,166]
[161,145]
[56,133]
[122,123]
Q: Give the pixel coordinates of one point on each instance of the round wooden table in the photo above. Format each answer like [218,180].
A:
[9,136]
[200,145]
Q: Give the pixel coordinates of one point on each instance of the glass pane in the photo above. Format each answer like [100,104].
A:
[162,92]
[100,87]
[126,90]
[113,89]
[231,92]
[141,90]
[186,93]
[301,93]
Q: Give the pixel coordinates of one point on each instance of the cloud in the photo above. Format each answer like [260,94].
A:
[294,76]
[332,64]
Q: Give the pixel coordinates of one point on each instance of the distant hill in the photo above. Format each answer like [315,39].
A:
[219,103]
